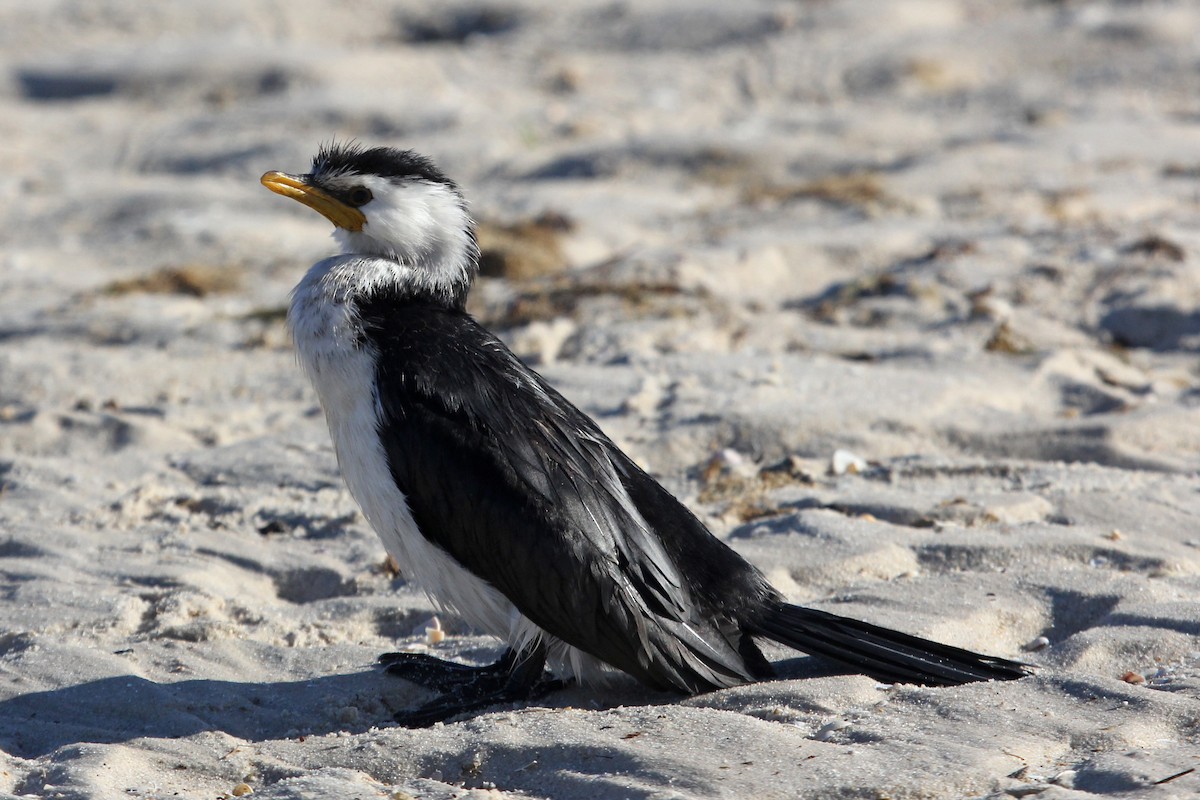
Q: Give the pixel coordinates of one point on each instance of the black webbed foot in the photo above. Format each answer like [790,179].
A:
[442,675]
[516,677]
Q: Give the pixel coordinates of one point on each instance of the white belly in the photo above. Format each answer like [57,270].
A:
[346,388]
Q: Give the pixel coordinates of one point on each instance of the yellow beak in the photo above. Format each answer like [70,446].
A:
[333,209]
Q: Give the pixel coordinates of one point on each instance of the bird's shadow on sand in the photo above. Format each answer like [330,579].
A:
[126,707]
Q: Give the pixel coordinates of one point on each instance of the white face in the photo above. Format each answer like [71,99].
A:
[421,224]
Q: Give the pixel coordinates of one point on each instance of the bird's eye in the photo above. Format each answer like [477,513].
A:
[359,196]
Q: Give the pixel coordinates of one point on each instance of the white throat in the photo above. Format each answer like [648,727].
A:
[420,226]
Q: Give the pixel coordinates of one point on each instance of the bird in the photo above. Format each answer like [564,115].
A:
[507,504]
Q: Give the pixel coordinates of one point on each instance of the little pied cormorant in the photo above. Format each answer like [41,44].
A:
[503,500]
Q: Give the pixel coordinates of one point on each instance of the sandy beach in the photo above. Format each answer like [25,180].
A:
[901,298]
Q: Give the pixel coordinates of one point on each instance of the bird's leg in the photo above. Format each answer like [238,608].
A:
[515,677]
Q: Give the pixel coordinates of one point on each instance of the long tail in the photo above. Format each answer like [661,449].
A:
[888,656]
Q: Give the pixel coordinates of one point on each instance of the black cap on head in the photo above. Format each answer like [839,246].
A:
[386,162]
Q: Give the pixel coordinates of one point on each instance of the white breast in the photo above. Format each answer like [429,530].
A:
[326,330]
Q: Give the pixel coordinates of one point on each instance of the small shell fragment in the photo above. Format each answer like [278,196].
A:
[1066,779]
[829,728]
[1035,644]
[433,632]
[844,462]
[241,790]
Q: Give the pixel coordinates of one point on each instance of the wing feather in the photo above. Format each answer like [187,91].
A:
[524,490]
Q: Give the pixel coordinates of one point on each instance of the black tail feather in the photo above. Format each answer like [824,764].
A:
[886,655]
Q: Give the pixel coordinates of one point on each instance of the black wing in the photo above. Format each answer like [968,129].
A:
[524,490]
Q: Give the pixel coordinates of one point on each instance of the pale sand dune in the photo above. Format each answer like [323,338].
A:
[954,239]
